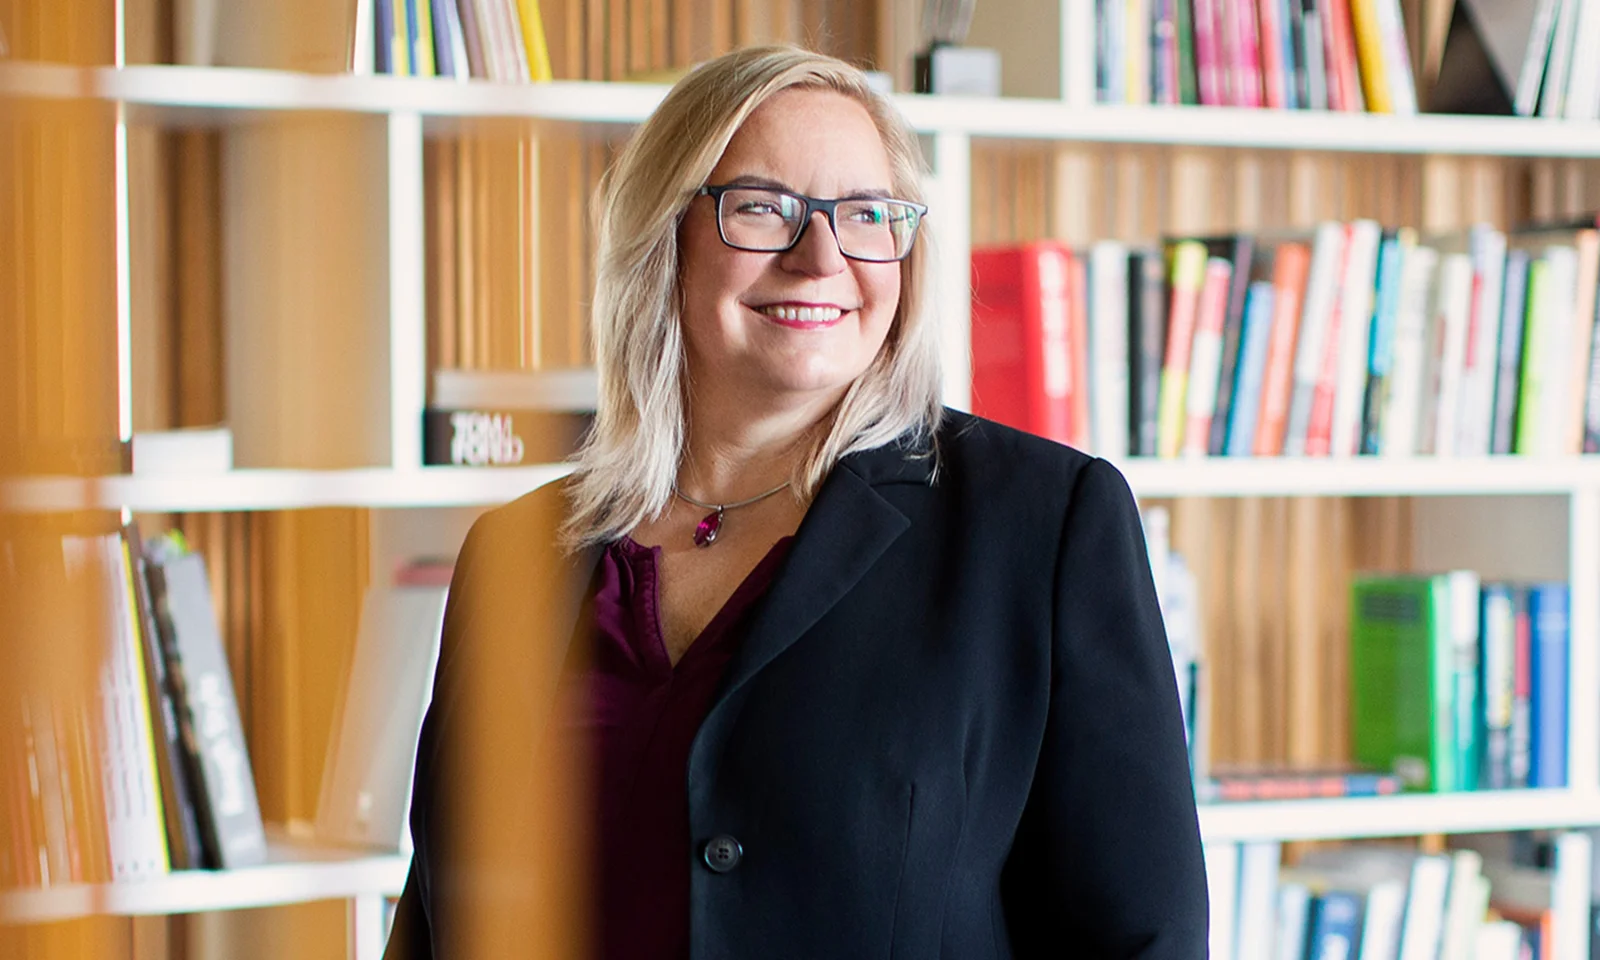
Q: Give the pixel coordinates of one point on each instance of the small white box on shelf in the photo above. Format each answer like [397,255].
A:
[189,450]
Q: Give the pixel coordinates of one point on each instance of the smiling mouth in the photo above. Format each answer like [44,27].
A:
[796,314]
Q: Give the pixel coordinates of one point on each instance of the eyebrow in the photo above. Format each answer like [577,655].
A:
[767,183]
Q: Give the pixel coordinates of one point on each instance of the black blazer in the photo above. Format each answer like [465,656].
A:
[952,730]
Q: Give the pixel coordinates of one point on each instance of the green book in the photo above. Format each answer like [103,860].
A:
[1404,678]
[1188,87]
[1533,347]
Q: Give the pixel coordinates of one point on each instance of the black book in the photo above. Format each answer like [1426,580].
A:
[1147,341]
[226,807]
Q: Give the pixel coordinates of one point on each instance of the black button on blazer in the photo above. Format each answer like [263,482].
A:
[952,729]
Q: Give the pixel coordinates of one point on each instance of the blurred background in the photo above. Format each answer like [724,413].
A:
[291,292]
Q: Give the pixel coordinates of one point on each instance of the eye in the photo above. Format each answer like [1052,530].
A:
[761,208]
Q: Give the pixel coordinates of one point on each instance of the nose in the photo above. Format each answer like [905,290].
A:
[816,253]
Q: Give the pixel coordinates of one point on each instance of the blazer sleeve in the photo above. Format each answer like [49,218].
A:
[1107,861]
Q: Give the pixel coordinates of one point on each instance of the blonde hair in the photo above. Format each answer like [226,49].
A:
[626,468]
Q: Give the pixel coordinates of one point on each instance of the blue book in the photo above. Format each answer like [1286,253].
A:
[1380,354]
[413,32]
[1246,411]
[1547,619]
[444,25]
[384,39]
[1335,926]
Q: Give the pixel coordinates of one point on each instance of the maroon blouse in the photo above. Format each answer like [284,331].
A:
[640,721]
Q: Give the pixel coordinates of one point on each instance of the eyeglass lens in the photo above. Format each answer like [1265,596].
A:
[868,229]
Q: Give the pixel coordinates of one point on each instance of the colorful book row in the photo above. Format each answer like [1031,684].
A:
[500,40]
[1345,55]
[1354,340]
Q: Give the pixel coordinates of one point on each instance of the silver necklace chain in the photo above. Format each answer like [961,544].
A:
[721,507]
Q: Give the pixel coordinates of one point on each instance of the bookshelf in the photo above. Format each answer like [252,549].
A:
[402,112]
[295,872]
[222,95]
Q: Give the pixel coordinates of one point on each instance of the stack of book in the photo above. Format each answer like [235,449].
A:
[1352,340]
[500,40]
[1386,901]
[1459,684]
[148,771]
[1347,55]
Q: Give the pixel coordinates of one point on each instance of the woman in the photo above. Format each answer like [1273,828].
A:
[858,676]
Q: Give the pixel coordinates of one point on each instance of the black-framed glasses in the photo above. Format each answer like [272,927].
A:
[765,220]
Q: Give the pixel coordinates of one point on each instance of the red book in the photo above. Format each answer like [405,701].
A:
[1319,430]
[1021,346]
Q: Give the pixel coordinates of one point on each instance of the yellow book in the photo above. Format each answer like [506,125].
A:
[145,730]
[1188,275]
[533,40]
[1369,55]
[400,40]
[424,58]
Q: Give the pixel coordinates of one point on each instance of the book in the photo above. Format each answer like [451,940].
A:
[500,438]
[225,793]
[366,781]
[1021,349]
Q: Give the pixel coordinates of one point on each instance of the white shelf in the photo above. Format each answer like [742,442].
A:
[294,873]
[217,94]
[464,486]
[278,489]
[1399,816]
[1359,476]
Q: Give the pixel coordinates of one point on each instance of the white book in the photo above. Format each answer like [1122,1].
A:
[1561,289]
[1465,902]
[1327,252]
[1483,343]
[1222,883]
[1108,349]
[1136,51]
[1535,47]
[366,782]
[1355,336]
[1583,83]
[1255,929]
[363,52]
[1498,940]
[1452,313]
[1558,69]
[1572,893]
[1402,409]
[1583,312]
[1425,903]
[1077,52]
[1397,58]
[1294,908]
[135,825]
[1382,924]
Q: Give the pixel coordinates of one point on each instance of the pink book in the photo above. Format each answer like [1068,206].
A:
[1319,429]
[1275,82]
[1206,357]
[1228,62]
[1249,54]
[1206,66]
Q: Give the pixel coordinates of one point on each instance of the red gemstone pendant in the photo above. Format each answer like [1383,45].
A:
[706,533]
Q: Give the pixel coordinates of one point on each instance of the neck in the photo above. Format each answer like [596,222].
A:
[732,454]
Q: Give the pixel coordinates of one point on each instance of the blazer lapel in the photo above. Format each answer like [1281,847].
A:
[847,529]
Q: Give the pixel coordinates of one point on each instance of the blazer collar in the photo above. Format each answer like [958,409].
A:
[848,527]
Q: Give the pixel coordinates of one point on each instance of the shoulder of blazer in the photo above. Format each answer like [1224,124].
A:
[974,452]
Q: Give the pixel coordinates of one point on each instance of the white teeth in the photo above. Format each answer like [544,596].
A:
[803,314]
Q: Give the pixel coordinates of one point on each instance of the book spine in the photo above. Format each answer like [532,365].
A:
[1530,400]
[1290,269]
[1513,304]
[1497,659]
[1548,617]
[1188,274]
[1258,329]
[1110,368]
[1370,55]
[1442,664]
[1316,319]
[1207,68]
[1078,389]
[1314,55]
[443,50]
[1519,746]
[1206,357]
[1380,354]
[1148,330]
[1047,304]
[1273,75]
[383,36]
[1188,86]
[1240,251]
[1356,299]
